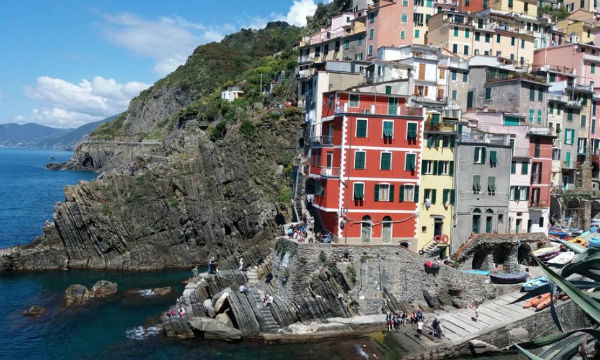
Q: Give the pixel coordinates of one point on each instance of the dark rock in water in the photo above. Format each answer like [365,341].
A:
[104,288]
[79,295]
[35,311]
[162,291]
[56,166]
[213,329]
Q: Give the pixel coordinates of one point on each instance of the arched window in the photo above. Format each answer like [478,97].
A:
[476,221]
[366,229]
[386,230]
[489,219]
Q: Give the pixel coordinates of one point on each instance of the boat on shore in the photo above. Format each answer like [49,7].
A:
[594,242]
[476,272]
[560,233]
[536,300]
[535,283]
[562,259]
[509,278]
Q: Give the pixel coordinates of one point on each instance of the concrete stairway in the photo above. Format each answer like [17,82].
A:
[370,296]
[458,326]
[252,276]
[263,314]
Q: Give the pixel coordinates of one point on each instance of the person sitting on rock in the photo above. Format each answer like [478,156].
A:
[171,313]
[181,312]
[243,289]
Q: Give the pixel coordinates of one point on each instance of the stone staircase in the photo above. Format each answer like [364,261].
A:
[252,275]
[458,326]
[263,314]
[370,296]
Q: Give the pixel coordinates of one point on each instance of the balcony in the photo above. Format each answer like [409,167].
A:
[541,131]
[307,73]
[333,172]
[583,89]
[324,140]
[379,110]
[569,165]
[540,204]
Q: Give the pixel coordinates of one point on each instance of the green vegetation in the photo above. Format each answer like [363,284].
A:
[286,273]
[218,132]
[557,14]
[322,256]
[248,128]
[351,272]
[110,130]
[324,13]
[132,197]
[173,202]
[105,210]
[292,111]
[568,345]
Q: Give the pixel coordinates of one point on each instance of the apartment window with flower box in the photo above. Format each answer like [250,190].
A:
[384,192]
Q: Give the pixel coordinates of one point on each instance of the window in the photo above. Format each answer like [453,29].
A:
[370,50]
[409,193]
[409,163]
[476,220]
[551,108]
[417,33]
[428,167]
[331,101]
[487,38]
[404,2]
[361,128]
[593,126]
[491,185]
[539,116]
[371,33]
[411,131]
[453,75]
[455,48]
[359,191]
[402,35]
[536,149]
[354,100]
[531,112]
[555,154]
[498,38]
[594,108]
[466,50]
[540,95]
[524,168]
[513,167]
[488,93]
[386,161]
[531,94]
[476,184]
[477,35]
[453,94]
[384,192]
[493,159]
[449,196]
[388,90]
[456,31]
[465,77]
[510,3]
[467,32]
[593,68]
[430,194]
[570,115]
[360,40]
[372,17]
[404,18]
[583,121]
[479,155]
[569,136]
[347,44]
[359,160]
[523,42]
[480,23]
[392,106]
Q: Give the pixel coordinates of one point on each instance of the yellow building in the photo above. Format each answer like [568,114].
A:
[423,10]
[580,23]
[436,190]
[522,7]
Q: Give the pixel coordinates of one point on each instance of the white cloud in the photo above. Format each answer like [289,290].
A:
[64,104]
[299,11]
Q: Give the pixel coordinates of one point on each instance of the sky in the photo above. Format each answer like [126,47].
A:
[64,63]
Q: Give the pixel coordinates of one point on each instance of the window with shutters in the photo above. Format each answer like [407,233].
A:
[359,160]
[477,35]
[455,48]
[359,191]
[493,159]
[361,128]
[411,131]
[570,114]
[443,74]
[465,50]
[388,90]
[531,112]
[465,77]
[456,31]
[583,121]
[531,94]
[443,167]
[386,161]
[539,116]
[354,100]
[428,166]
[524,168]
[388,129]
[491,185]
[513,167]
[409,193]
[479,155]
[392,106]
[410,162]
[551,108]
[476,184]
[488,93]
[421,71]
[430,194]
[384,192]
[540,94]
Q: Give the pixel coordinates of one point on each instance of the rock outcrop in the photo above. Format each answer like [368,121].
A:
[35,311]
[79,295]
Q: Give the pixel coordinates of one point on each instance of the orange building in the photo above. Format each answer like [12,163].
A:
[473,6]
[365,168]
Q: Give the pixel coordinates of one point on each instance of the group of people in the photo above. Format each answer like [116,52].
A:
[297,233]
[212,265]
[173,313]
[397,319]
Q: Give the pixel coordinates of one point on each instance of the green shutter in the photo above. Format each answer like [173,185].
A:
[476,183]
[388,129]
[401,198]
[433,195]
[386,159]
[493,158]
[572,136]
[476,155]
[527,193]
[452,197]
[441,167]
[524,168]
[438,138]
[517,193]
[391,198]
[423,163]
[566,135]
[445,192]
[483,150]
[412,131]
[513,168]
[451,168]
[361,128]
[452,141]
[491,183]
[410,162]
[430,139]
[359,160]
[417,193]
[435,167]
[388,90]
[359,191]
[435,119]
[376,192]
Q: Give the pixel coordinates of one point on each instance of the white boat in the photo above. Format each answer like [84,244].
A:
[562,258]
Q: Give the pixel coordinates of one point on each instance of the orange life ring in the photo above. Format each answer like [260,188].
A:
[437,238]
[445,239]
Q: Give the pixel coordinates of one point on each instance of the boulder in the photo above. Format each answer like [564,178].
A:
[77,295]
[221,303]
[224,319]
[162,291]
[208,308]
[104,288]
[213,329]
[479,347]
[35,311]
[519,334]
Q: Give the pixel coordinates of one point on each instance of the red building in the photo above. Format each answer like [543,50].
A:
[473,6]
[541,141]
[365,168]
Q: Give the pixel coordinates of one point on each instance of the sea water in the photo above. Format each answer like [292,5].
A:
[122,327]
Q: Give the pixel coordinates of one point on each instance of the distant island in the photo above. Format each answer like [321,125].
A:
[32,135]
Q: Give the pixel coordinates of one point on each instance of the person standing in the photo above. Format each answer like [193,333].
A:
[241,264]
[209,264]
[419,328]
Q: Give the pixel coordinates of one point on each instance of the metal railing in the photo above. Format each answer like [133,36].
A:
[539,204]
[322,140]
[330,171]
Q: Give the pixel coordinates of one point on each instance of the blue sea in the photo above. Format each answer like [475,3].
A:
[120,328]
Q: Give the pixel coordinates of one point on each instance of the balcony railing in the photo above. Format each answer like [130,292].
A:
[569,164]
[330,171]
[380,110]
[322,140]
[539,204]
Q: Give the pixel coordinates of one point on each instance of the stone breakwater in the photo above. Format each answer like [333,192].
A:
[318,291]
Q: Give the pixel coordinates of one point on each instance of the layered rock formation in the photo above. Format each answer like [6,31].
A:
[79,295]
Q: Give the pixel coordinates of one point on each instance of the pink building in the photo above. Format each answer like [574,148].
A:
[583,59]
[390,24]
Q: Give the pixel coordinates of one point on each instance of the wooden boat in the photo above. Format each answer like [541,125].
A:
[533,284]
[576,232]
[578,240]
[476,271]
[562,259]
[509,278]
[546,253]
[561,233]
[536,300]
[594,242]
[549,256]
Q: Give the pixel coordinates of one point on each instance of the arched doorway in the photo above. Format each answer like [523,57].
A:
[476,221]
[386,230]
[366,229]
[489,221]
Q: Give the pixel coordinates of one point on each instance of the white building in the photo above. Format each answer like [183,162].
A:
[232,94]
